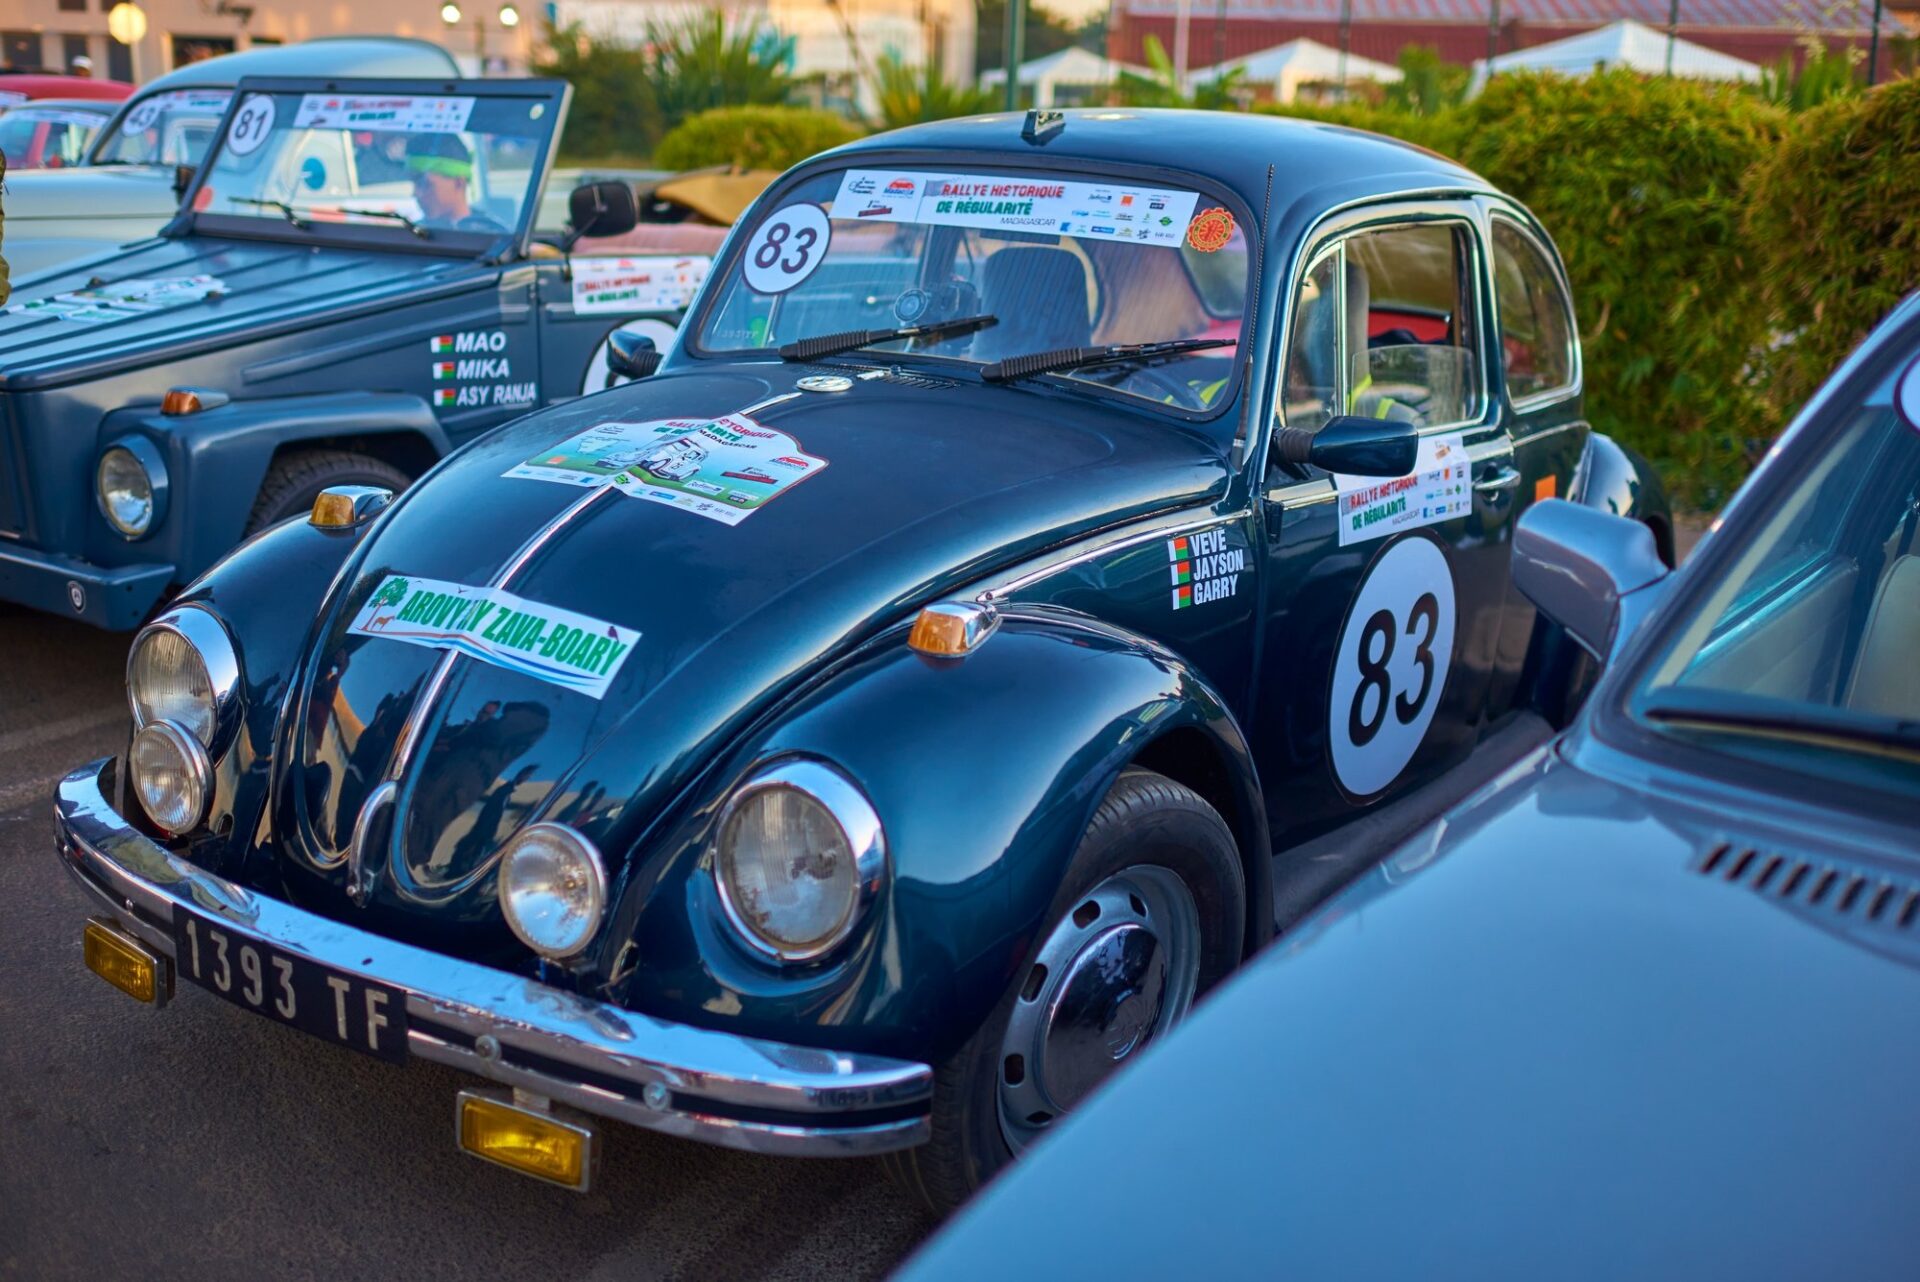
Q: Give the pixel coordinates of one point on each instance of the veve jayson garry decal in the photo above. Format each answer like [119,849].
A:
[500,628]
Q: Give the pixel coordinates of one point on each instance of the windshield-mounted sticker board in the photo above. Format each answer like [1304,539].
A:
[659,284]
[724,469]
[1038,203]
[251,125]
[508,631]
[1438,489]
[55,116]
[403,115]
[146,113]
[123,300]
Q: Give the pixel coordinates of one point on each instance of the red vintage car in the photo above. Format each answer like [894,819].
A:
[47,121]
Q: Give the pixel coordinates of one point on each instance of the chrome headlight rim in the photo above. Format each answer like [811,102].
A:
[207,637]
[198,769]
[596,867]
[147,457]
[859,825]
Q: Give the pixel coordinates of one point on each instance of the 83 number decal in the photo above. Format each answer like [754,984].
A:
[786,248]
[1391,665]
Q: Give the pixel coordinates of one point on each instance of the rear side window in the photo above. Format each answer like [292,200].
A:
[1536,317]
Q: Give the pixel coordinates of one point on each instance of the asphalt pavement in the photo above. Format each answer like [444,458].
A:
[198,1141]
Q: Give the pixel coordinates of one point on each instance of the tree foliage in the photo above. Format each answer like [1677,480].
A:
[908,95]
[1045,34]
[1428,84]
[1162,87]
[751,138]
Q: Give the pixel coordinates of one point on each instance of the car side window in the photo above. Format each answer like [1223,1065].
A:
[1410,329]
[1310,394]
[1536,317]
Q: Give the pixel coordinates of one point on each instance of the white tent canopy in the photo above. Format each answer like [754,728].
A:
[1286,67]
[1073,67]
[1619,44]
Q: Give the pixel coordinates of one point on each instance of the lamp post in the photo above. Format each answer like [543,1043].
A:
[127,23]
[1873,48]
[1016,49]
[1673,33]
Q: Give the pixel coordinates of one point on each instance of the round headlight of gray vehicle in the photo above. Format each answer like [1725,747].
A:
[553,889]
[799,857]
[181,669]
[170,775]
[130,484]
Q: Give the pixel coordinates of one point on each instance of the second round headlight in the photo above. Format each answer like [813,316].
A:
[125,488]
[170,775]
[168,680]
[799,855]
[553,889]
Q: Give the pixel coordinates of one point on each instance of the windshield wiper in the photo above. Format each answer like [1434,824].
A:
[1081,357]
[394,214]
[286,210]
[1785,720]
[811,349]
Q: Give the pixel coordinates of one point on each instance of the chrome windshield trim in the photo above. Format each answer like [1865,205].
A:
[1105,544]
[698,1083]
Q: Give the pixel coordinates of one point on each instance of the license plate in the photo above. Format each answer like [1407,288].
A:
[344,1009]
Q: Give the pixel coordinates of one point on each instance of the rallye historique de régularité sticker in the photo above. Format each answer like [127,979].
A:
[1099,211]
[497,627]
[724,469]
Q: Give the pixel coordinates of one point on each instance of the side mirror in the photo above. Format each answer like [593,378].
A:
[631,355]
[1587,570]
[1353,445]
[601,209]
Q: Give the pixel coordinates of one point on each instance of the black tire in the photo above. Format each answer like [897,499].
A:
[1146,819]
[296,479]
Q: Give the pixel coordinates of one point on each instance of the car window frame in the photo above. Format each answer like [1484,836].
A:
[1536,236]
[1343,222]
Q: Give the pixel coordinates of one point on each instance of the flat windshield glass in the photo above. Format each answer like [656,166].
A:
[438,167]
[172,127]
[46,137]
[1804,651]
[1059,260]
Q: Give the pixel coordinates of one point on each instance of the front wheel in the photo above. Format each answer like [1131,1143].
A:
[1151,914]
[296,479]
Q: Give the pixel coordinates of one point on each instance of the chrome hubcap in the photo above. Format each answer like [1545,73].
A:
[1115,972]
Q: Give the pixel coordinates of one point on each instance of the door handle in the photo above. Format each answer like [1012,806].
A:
[1506,478]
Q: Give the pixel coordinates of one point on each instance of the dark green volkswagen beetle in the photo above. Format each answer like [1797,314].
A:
[1048,538]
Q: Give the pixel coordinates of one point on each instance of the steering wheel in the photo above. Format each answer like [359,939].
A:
[1181,394]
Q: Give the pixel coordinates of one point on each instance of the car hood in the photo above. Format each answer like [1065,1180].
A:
[39,199]
[920,486]
[170,297]
[1555,1037]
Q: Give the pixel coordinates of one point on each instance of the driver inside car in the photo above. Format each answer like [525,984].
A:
[442,167]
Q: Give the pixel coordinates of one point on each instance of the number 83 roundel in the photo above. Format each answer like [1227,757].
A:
[1391,664]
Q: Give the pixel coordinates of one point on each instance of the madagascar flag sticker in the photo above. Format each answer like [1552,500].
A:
[443,396]
[442,370]
[440,343]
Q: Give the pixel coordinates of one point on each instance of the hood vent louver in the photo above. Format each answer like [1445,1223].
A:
[901,377]
[1860,897]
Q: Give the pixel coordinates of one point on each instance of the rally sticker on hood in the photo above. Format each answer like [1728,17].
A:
[500,628]
[123,300]
[724,469]
[658,284]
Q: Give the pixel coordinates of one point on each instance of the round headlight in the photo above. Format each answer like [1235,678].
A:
[799,856]
[172,672]
[553,889]
[126,485]
[169,775]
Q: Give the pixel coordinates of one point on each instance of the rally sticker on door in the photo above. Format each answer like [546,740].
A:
[657,284]
[1391,665]
[1438,489]
[497,627]
[724,469]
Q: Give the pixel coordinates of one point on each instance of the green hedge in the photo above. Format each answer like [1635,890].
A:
[751,137]
[1834,218]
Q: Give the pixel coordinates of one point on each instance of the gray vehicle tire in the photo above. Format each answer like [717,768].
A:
[1147,824]
[296,479]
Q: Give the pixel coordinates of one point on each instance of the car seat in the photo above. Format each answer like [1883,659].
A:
[1040,295]
[1884,680]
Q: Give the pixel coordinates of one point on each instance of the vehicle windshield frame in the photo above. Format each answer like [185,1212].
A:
[445,242]
[1037,162]
[1617,716]
[110,130]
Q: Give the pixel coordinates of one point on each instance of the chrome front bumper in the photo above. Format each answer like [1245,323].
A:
[739,1092]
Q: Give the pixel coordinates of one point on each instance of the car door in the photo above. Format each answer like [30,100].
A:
[585,299]
[1383,597]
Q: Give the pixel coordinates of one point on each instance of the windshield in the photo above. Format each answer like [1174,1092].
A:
[451,168]
[1804,652]
[1057,260]
[46,137]
[172,127]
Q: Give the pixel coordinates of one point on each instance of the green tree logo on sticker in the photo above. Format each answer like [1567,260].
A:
[392,592]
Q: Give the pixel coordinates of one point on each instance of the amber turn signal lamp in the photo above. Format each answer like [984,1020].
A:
[952,628]
[124,962]
[181,400]
[528,1140]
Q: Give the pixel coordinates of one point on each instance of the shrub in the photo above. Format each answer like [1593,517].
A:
[909,95]
[751,137]
[1434,132]
[1642,184]
[1833,215]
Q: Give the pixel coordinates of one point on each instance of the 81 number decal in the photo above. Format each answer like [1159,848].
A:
[1391,665]
[786,248]
[251,125]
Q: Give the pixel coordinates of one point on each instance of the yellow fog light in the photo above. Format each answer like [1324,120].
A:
[124,962]
[531,1141]
[952,628]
